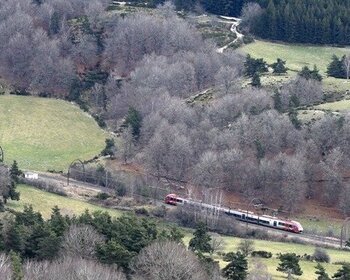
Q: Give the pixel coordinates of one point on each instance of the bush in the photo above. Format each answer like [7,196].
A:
[307,257]
[121,189]
[142,211]
[102,196]
[248,39]
[321,255]
[20,92]
[159,212]
[262,254]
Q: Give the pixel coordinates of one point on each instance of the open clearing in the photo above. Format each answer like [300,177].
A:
[43,202]
[298,56]
[308,268]
[341,106]
[42,133]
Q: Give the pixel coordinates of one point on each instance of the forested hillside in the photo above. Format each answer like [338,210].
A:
[309,21]
[245,140]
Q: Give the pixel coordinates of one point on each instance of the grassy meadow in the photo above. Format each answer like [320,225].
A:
[42,133]
[308,268]
[298,56]
[43,202]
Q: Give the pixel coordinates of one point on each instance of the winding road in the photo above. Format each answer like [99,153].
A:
[235,23]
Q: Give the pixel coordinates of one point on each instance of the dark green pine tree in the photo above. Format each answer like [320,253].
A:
[279,67]
[256,82]
[17,273]
[271,19]
[293,116]
[336,68]
[55,20]
[201,240]
[343,273]
[289,263]
[321,272]
[253,66]
[308,74]
[57,222]
[112,252]
[134,119]
[16,238]
[15,171]
[2,244]
[237,268]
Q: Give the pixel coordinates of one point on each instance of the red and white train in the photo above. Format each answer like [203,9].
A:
[250,217]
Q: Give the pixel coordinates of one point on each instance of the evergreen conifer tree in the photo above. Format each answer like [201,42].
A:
[17,273]
[201,240]
[289,263]
[256,82]
[279,67]
[321,272]
[343,273]
[237,267]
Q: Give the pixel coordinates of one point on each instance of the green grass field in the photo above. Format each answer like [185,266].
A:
[43,202]
[341,106]
[308,268]
[44,134]
[298,56]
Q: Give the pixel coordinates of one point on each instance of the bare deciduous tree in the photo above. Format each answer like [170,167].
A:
[70,269]
[259,271]
[226,78]
[347,66]
[246,246]
[5,267]
[302,92]
[127,147]
[250,15]
[167,260]
[80,241]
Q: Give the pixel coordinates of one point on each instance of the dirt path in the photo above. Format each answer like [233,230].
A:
[235,23]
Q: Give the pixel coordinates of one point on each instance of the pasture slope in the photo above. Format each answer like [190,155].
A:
[43,202]
[43,134]
[298,56]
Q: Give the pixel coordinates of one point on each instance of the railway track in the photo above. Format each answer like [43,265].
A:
[304,237]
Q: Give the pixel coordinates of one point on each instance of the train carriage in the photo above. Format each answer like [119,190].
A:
[242,215]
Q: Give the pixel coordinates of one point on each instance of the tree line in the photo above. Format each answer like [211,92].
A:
[311,21]
[246,140]
[97,246]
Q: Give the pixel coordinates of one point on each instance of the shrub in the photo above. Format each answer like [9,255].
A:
[321,255]
[142,211]
[102,196]
[307,257]
[262,254]
[159,212]
[121,189]
[248,39]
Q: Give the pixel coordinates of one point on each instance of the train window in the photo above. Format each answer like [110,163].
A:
[281,224]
